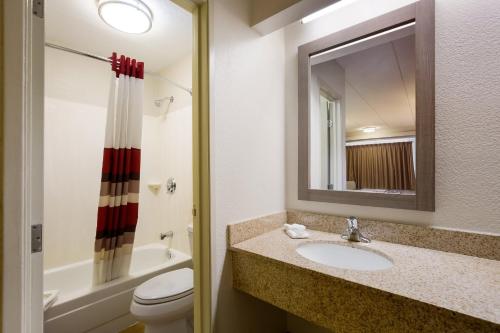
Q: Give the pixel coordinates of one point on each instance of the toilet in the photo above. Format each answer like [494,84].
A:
[164,304]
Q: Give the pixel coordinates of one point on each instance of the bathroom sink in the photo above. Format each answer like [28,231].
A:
[341,256]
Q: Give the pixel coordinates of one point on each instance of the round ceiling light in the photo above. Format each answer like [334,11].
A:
[131,16]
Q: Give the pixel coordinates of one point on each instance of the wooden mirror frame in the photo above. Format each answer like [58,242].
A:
[422,12]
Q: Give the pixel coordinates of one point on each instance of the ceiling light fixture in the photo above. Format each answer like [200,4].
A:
[131,16]
[326,10]
[369,129]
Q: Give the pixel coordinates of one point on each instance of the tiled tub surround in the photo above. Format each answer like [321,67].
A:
[425,291]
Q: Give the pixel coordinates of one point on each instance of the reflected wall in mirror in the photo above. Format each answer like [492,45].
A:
[366,112]
[362,115]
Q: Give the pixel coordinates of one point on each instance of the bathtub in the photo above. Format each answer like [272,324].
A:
[80,307]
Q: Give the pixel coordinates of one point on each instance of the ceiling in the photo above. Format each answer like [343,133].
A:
[380,88]
[77,25]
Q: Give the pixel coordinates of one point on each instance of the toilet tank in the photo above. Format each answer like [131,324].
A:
[190,236]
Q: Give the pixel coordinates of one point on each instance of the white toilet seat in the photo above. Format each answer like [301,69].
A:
[165,288]
[164,299]
[163,312]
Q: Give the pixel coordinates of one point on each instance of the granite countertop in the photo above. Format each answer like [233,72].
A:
[456,282]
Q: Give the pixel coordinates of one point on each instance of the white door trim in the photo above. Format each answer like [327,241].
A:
[23,167]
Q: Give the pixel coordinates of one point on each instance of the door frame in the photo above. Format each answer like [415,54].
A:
[201,165]
[21,146]
[22,162]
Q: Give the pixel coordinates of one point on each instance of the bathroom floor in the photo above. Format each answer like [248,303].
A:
[137,328]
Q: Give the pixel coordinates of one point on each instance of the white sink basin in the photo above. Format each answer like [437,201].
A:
[346,257]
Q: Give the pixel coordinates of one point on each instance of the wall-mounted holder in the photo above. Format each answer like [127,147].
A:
[171,185]
[154,187]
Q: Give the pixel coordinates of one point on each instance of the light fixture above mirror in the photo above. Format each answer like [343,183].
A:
[327,10]
[130,16]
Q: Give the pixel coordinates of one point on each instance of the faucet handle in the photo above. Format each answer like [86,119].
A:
[352,222]
[352,233]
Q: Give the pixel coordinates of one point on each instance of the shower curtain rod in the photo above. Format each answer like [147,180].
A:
[96,57]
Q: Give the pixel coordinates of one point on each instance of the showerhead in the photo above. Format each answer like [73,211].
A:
[159,102]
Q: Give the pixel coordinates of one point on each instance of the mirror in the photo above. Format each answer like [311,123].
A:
[362,116]
[364,136]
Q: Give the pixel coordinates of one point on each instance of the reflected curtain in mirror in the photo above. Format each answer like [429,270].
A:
[381,166]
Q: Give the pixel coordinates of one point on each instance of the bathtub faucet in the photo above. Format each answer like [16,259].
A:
[169,234]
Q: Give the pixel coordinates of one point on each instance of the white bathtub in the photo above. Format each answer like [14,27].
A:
[83,308]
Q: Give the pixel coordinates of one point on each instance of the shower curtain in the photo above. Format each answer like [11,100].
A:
[119,194]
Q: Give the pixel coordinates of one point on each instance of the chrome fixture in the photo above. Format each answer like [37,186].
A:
[159,101]
[171,185]
[352,232]
[168,234]
[170,255]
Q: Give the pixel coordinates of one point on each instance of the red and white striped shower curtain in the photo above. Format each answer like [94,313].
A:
[119,196]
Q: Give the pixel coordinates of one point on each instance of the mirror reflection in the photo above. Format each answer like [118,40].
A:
[362,115]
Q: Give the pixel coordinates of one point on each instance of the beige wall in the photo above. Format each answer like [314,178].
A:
[247,152]
[268,16]
[76,96]
[181,72]
[263,9]
[467,161]
[254,132]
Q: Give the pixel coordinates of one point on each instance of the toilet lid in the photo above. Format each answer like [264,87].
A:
[166,287]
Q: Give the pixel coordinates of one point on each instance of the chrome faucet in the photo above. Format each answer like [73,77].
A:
[352,232]
[169,234]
